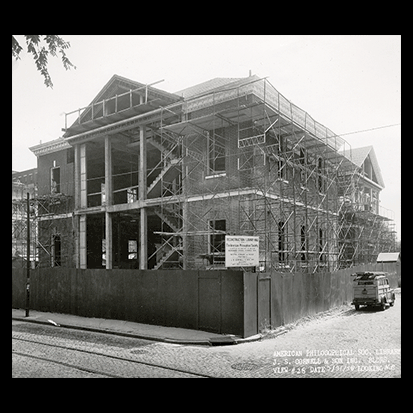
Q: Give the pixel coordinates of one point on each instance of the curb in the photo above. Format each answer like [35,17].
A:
[213,341]
[250,339]
[94,330]
[186,342]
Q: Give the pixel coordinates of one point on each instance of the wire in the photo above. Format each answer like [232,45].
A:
[367,130]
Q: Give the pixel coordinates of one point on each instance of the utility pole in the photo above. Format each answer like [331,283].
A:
[28,257]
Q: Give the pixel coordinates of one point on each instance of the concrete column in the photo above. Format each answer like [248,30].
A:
[81,202]
[108,170]
[108,201]
[185,208]
[143,238]
[83,177]
[82,242]
[108,238]
[184,236]
[77,175]
[143,246]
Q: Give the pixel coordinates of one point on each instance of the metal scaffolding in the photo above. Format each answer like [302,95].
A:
[267,169]
[52,243]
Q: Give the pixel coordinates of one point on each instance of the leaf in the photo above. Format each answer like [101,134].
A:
[15,48]
[40,46]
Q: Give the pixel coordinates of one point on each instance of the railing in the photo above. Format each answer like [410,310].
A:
[103,105]
[386,213]
[263,89]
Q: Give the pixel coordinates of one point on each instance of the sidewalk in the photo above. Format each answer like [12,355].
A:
[130,329]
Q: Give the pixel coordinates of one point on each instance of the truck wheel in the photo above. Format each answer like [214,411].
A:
[383,305]
[357,307]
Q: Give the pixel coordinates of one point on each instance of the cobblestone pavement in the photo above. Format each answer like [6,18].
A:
[348,343]
[343,343]
[46,351]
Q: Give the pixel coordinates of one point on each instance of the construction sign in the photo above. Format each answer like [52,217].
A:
[241,251]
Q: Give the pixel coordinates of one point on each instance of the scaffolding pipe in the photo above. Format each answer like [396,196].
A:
[28,255]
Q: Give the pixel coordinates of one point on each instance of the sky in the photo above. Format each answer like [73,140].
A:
[350,84]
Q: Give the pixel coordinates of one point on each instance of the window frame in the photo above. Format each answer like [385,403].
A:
[55,187]
[216,155]
[216,241]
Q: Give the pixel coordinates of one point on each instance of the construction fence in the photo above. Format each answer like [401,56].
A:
[227,302]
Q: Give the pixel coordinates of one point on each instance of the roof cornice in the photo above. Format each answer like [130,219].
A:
[50,147]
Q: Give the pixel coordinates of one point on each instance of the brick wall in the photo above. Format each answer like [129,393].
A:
[62,159]
[48,230]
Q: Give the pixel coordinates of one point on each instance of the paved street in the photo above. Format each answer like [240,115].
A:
[341,343]
[47,351]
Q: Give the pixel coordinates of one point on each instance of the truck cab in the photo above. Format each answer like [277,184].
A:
[372,288]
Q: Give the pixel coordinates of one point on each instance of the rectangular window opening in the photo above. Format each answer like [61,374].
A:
[281,241]
[216,153]
[321,246]
[217,241]
[303,244]
[55,180]
[56,251]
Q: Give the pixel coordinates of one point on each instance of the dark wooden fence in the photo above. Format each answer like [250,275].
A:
[218,301]
[282,298]
[205,300]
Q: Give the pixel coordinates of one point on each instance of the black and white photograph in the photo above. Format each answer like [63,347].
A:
[206,206]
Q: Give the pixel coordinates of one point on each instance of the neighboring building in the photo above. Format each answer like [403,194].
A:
[389,257]
[365,227]
[22,183]
[54,207]
[143,178]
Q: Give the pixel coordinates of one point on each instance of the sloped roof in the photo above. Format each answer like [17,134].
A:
[205,87]
[118,89]
[117,81]
[388,257]
[359,155]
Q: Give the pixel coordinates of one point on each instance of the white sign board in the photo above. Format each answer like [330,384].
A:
[241,251]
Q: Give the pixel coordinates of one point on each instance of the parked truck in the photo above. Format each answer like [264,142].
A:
[372,288]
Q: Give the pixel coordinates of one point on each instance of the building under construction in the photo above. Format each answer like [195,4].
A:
[147,179]
[23,183]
